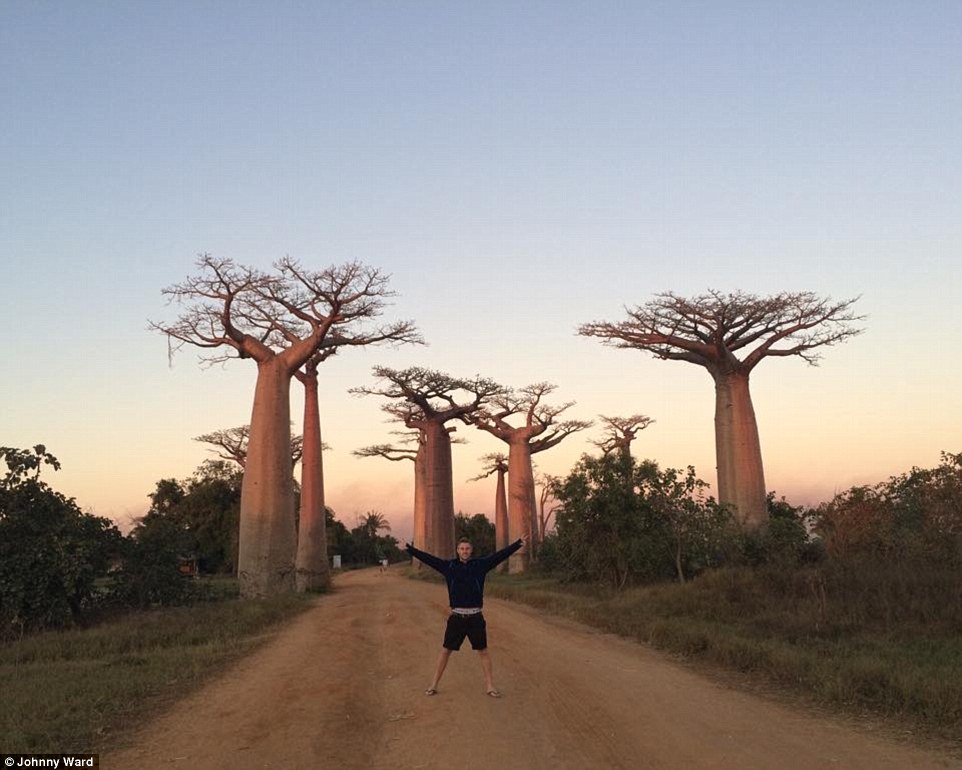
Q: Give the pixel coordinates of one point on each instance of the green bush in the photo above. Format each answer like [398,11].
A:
[150,574]
[51,553]
[914,519]
[622,521]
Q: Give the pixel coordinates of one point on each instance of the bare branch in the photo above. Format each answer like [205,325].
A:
[295,313]
[494,462]
[537,416]
[621,431]
[231,444]
[558,433]
[710,328]
[209,299]
[429,395]
[387,451]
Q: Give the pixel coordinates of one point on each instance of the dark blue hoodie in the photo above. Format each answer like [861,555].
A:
[465,578]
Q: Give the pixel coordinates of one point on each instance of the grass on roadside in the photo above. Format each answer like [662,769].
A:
[76,690]
[911,671]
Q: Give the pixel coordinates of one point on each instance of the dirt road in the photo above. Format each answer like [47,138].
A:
[342,687]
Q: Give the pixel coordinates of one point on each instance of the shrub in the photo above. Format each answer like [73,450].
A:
[622,520]
[51,553]
[150,574]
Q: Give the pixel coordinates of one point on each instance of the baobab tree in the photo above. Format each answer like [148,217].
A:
[425,400]
[312,571]
[620,432]
[279,321]
[729,334]
[540,431]
[413,451]
[497,462]
[231,444]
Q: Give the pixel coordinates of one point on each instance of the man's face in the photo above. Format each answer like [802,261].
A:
[464,551]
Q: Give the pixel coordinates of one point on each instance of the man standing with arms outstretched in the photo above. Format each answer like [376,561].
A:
[465,578]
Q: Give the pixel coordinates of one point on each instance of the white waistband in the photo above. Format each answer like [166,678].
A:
[466,610]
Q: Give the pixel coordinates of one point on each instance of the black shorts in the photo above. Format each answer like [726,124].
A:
[471,626]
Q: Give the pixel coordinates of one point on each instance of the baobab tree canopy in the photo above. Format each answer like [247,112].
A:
[620,432]
[540,428]
[714,329]
[728,334]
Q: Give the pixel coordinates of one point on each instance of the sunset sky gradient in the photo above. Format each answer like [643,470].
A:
[519,169]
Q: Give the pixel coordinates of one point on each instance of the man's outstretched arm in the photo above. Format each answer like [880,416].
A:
[428,558]
[492,561]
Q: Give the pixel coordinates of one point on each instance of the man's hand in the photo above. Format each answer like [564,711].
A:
[408,546]
[524,539]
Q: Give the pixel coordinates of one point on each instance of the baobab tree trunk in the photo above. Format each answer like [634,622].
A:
[420,513]
[501,535]
[521,504]
[741,475]
[438,491]
[267,535]
[312,570]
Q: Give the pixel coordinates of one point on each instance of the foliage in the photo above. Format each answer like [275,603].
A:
[51,553]
[200,513]
[697,528]
[478,529]
[911,519]
[620,519]
[785,541]
[150,573]
[189,521]
[362,545]
[338,538]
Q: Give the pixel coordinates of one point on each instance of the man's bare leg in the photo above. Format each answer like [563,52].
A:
[439,670]
[488,677]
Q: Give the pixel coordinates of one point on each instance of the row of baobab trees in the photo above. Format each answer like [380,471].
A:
[291,320]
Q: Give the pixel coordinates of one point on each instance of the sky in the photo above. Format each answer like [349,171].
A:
[518,168]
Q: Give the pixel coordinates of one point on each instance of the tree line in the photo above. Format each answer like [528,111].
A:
[61,566]
[895,546]
[622,521]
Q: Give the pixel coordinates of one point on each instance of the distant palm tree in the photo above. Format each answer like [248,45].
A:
[373,522]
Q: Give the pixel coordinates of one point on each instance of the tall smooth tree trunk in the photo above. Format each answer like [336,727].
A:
[267,535]
[439,491]
[312,570]
[501,535]
[521,504]
[741,475]
[420,512]
[535,529]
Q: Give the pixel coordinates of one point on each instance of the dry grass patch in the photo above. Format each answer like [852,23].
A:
[77,690]
[905,664]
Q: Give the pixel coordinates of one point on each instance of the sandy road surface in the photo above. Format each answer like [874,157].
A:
[342,687]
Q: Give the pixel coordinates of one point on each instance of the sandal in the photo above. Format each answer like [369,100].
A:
[430,691]
[494,693]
